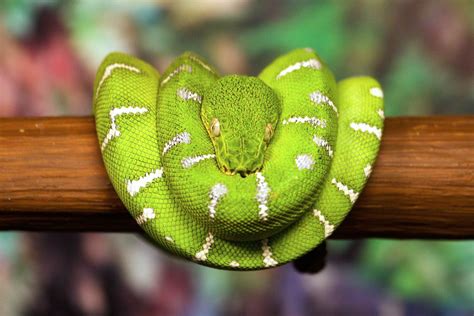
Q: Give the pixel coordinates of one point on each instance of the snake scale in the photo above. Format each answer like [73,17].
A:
[237,172]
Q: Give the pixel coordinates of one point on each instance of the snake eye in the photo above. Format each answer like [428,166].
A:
[215,127]
[268,132]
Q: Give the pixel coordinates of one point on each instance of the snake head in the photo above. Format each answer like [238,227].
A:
[240,114]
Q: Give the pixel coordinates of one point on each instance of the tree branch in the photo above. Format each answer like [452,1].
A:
[52,179]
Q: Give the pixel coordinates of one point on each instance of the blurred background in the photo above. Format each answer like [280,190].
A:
[421,51]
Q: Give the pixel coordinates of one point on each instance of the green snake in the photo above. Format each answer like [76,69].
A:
[237,172]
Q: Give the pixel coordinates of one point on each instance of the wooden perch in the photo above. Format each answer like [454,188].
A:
[52,179]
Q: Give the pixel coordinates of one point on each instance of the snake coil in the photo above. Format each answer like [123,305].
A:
[309,144]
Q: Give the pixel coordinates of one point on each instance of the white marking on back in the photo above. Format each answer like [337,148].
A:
[381,113]
[202,255]
[188,162]
[328,227]
[108,72]
[263,190]
[181,138]
[234,264]
[169,239]
[350,193]
[179,69]
[304,161]
[312,63]
[319,98]
[368,170]
[321,142]
[113,130]
[187,94]
[268,261]
[366,128]
[203,64]
[217,192]
[134,186]
[147,214]
[316,122]
[376,92]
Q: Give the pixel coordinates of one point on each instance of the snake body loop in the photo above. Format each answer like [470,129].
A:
[237,172]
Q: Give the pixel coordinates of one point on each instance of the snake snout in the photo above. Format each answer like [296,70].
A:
[243,170]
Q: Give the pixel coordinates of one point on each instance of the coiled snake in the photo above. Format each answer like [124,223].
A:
[237,172]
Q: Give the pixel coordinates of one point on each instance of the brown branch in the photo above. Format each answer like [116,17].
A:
[52,179]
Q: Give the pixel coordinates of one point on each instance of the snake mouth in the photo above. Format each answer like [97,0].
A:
[242,172]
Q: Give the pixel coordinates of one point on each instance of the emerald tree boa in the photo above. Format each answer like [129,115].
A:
[237,172]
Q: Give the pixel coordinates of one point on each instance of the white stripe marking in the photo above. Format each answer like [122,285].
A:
[187,94]
[134,186]
[204,65]
[366,128]
[179,69]
[304,161]
[351,194]
[188,162]
[381,113]
[108,72]
[113,131]
[376,92]
[263,190]
[368,170]
[319,98]
[202,255]
[148,214]
[328,227]
[169,239]
[324,144]
[234,264]
[312,63]
[268,261]
[316,122]
[181,138]
[217,192]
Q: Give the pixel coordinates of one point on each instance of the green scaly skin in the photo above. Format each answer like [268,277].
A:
[291,154]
